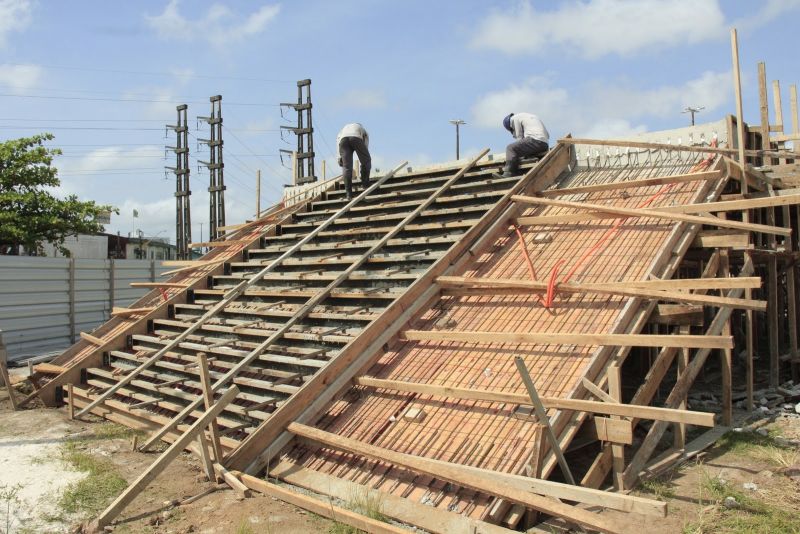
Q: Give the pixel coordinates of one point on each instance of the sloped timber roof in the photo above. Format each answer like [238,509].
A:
[485,434]
[306,374]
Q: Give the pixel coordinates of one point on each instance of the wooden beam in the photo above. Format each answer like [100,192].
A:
[649,213]
[666,146]
[617,450]
[316,506]
[113,510]
[475,286]
[722,239]
[776,98]
[49,368]
[558,403]
[629,184]
[613,430]
[127,312]
[208,401]
[557,338]
[428,518]
[170,285]
[4,375]
[216,244]
[541,417]
[519,489]
[92,339]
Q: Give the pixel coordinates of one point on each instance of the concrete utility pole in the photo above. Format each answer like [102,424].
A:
[215,165]
[458,123]
[303,157]
[692,111]
[183,219]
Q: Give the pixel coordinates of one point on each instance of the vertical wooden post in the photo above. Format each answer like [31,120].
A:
[208,465]
[70,402]
[737,85]
[71,274]
[4,373]
[324,169]
[763,105]
[793,105]
[617,449]
[112,285]
[258,193]
[726,362]
[776,98]
[682,362]
[208,399]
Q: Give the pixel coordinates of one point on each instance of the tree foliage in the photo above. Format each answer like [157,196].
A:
[30,214]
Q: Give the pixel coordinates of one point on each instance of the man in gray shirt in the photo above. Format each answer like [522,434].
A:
[354,138]
[531,140]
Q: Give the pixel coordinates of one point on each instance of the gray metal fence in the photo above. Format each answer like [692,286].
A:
[46,302]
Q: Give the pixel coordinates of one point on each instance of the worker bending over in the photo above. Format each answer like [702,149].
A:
[531,140]
[354,138]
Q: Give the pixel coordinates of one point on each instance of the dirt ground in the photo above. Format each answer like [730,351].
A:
[762,472]
[32,458]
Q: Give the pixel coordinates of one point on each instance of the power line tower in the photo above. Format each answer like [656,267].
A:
[304,171]
[693,110]
[183,218]
[215,166]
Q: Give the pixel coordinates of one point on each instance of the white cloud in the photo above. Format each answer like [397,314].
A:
[112,158]
[600,109]
[15,16]
[361,99]
[219,26]
[20,77]
[593,28]
[535,94]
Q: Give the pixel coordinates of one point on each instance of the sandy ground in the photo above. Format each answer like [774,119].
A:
[29,461]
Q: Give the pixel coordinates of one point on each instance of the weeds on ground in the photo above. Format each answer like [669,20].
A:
[9,501]
[365,502]
[751,514]
[659,487]
[755,445]
[92,494]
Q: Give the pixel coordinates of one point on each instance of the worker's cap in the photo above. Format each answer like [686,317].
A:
[507,122]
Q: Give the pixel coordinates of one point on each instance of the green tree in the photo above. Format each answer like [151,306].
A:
[30,215]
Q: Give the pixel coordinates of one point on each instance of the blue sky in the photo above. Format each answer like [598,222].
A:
[105,77]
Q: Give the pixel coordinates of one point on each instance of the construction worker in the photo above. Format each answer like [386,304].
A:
[531,140]
[354,138]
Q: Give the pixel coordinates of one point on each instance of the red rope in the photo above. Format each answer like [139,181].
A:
[524,251]
[163,294]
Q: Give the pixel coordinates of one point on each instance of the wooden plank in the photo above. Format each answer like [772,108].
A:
[127,312]
[617,450]
[92,339]
[169,285]
[616,431]
[629,184]
[657,214]
[557,338]
[428,518]
[516,488]
[48,368]
[208,401]
[316,506]
[776,98]
[666,146]
[605,408]
[676,314]
[480,286]
[541,417]
[217,244]
[4,374]
[721,239]
[143,480]
[242,490]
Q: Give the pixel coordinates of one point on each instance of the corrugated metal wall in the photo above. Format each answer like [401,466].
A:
[46,302]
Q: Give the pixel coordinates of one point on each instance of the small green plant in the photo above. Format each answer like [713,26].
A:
[750,515]
[244,527]
[658,487]
[368,503]
[765,448]
[93,493]
[9,500]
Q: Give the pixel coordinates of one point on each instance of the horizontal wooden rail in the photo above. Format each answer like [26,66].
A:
[630,184]
[650,213]
[557,338]
[479,286]
[604,408]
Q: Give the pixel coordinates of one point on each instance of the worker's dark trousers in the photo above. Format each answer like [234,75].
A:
[524,148]
[347,146]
